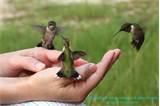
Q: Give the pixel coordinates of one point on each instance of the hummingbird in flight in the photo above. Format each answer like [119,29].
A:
[49,32]
[67,58]
[137,34]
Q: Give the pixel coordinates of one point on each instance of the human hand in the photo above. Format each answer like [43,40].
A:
[45,85]
[28,61]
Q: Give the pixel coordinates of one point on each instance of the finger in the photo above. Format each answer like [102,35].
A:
[102,68]
[79,62]
[53,55]
[116,55]
[28,63]
[57,64]
[86,70]
[42,54]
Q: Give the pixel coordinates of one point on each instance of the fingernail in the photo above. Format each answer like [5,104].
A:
[112,53]
[117,50]
[40,66]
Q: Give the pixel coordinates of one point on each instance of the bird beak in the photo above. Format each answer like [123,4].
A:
[116,34]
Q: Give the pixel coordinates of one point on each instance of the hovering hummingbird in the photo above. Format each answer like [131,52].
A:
[67,57]
[49,33]
[137,34]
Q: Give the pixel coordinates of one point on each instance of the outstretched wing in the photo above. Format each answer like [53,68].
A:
[78,54]
[40,28]
[58,30]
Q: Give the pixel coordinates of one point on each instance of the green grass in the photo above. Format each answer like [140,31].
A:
[90,28]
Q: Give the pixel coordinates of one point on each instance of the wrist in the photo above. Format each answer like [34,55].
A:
[7,68]
[14,90]
[24,90]
[4,65]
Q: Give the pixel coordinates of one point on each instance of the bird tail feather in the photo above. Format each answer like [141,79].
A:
[74,74]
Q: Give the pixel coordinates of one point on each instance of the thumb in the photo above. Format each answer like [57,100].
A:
[27,63]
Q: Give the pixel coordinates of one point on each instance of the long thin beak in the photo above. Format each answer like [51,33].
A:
[116,34]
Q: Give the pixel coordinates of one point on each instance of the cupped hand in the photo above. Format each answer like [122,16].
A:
[47,86]
[28,61]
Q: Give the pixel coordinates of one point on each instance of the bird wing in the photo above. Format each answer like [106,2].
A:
[40,28]
[58,30]
[138,38]
[78,54]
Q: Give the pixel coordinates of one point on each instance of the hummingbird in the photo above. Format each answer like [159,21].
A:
[67,58]
[137,34]
[49,32]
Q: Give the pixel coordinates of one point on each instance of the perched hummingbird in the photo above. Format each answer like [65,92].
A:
[67,57]
[137,33]
[49,33]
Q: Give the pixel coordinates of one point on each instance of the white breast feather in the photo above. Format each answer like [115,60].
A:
[132,28]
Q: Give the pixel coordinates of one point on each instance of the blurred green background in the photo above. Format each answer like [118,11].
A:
[133,80]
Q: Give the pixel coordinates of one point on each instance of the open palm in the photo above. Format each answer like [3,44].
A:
[68,90]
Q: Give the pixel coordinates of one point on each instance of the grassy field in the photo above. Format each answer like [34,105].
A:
[133,80]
